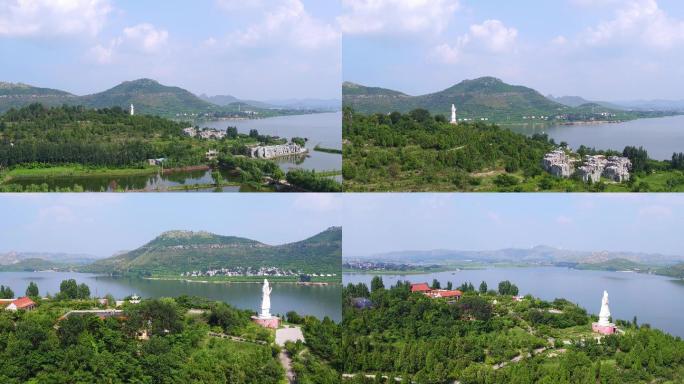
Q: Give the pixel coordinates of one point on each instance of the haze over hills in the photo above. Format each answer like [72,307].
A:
[174,252]
[10,258]
[485,97]
[576,101]
[544,255]
[296,104]
[147,95]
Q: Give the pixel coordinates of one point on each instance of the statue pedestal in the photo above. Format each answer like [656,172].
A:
[272,322]
[604,329]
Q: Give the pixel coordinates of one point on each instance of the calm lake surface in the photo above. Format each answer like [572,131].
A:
[656,300]
[322,128]
[660,136]
[318,301]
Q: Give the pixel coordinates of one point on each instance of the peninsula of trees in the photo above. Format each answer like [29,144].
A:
[390,334]
[419,151]
[71,337]
[37,141]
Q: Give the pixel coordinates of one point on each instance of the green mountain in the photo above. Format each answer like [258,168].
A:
[672,271]
[149,98]
[484,98]
[618,264]
[31,265]
[17,95]
[183,251]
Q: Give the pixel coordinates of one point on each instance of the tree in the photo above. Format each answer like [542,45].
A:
[231,132]
[450,285]
[216,176]
[6,292]
[32,290]
[253,133]
[483,287]
[83,291]
[507,288]
[436,284]
[377,283]
[68,289]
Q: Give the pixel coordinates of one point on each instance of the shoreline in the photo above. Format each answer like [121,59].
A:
[303,283]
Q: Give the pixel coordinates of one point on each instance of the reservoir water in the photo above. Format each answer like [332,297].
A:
[656,300]
[318,301]
[324,129]
[660,136]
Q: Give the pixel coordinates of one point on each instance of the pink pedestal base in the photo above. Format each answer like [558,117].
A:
[604,329]
[272,322]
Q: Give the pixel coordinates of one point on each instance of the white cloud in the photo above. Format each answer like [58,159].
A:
[396,16]
[142,38]
[145,37]
[48,18]
[491,36]
[288,22]
[232,5]
[639,21]
[494,35]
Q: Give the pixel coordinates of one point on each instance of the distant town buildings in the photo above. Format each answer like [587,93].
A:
[425,289]
[252,271]
[204,133]
[561,164]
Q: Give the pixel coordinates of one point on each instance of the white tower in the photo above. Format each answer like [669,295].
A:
[604,315]
[265,301]
[132,110]
[453,115]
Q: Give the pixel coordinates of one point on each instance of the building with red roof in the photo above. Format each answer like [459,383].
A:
[21,303]
[425,289]
[420,287]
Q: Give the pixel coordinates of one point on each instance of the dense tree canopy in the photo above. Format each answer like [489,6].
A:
[489,338]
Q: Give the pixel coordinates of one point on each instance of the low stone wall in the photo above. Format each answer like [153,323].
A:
[273,151]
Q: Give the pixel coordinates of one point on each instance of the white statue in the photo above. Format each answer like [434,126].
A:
[132,110]
[604,315]
[453,114]
[266,301]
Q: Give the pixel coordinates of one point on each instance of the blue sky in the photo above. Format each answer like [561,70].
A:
[259,49]
[376,223]
[102,224]
[599,49]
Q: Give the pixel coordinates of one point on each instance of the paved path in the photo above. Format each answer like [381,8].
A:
[290,333]
[286,362]
[236,338]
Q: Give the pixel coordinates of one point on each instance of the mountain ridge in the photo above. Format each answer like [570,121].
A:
[182,251]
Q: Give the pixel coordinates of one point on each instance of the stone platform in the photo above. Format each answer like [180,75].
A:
[604,329]
[272,322]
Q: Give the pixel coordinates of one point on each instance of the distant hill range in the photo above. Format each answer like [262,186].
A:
[540,255]
[147,95]
[577,101]
[485,97]
[183,251]
[331,105]
[10,258]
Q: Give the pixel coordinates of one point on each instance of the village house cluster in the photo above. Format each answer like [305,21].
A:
[560,164]
[204,133]
[251,271]
[425,289]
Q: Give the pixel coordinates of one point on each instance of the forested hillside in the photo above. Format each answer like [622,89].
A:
[487,337]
